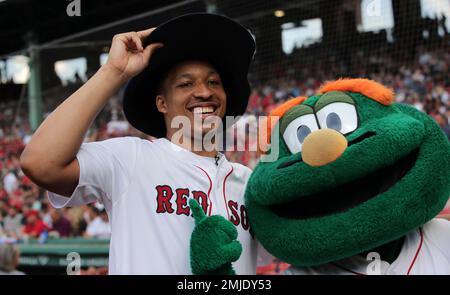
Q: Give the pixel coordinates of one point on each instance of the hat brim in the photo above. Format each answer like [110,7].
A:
[224,43]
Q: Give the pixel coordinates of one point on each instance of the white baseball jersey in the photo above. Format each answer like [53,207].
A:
[145,187]
[424,251]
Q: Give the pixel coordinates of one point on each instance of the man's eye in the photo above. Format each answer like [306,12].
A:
[213,82]
[185,84]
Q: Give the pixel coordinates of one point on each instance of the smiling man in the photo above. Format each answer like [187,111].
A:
[193,67]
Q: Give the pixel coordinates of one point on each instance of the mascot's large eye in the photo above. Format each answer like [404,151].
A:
[296,132]
[339,116]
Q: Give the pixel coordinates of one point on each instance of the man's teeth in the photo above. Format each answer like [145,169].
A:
[203,110]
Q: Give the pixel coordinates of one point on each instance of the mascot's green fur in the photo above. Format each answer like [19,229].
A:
[356,173]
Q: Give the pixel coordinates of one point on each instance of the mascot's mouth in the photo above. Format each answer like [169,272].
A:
[348,195]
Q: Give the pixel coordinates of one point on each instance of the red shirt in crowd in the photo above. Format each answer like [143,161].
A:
[35,229]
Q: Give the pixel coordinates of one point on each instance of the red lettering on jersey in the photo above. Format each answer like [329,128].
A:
[182,197]
[202,199]
[234,218]
[164,194]
[244,219]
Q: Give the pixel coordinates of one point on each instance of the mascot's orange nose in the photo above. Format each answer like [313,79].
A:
[322,147]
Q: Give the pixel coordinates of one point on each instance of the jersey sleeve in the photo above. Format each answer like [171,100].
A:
[106,169]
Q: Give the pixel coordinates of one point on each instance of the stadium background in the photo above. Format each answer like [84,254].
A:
[45,55]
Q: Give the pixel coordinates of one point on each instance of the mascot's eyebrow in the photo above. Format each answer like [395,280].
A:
[293,113]
[368,88]
[333,96]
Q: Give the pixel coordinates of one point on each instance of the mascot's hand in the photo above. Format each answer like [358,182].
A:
[213,243]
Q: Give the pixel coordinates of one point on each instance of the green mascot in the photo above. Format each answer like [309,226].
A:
[354,190]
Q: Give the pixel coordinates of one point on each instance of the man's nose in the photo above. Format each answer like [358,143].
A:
[203,91]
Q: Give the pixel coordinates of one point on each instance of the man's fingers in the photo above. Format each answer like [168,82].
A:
[131,40]
[134,40]
[145,33]
[197,211]
[137,41]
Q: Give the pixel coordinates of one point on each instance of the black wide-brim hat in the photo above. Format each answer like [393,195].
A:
[221,41]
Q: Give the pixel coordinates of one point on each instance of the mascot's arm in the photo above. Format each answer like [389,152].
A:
[213,243]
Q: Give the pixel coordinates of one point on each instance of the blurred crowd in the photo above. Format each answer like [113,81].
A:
[25,212]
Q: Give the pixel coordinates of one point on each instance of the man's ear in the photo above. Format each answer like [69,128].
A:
[161,103]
